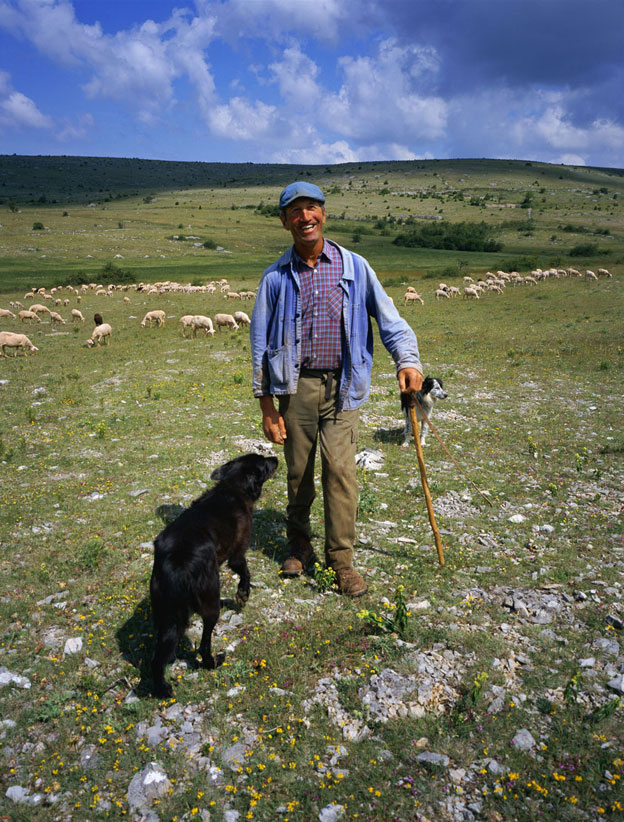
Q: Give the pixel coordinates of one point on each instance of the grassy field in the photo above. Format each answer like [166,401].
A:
[495,697]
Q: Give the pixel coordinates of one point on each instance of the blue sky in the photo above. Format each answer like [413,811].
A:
[320,82]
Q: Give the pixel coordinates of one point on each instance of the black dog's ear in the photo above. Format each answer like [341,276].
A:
[427,385]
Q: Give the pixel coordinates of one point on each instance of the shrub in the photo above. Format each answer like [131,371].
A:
[463,236]
[210,244]
[584,250]
[38,227]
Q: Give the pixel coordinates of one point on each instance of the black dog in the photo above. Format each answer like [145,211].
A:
[188,553]
[432,390]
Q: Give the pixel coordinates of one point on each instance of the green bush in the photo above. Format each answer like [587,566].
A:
[584,250]
[463,236]
[38,227]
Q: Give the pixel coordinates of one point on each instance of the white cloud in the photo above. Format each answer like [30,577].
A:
[241,119]
[387,95]
[572,160]
[78,130]
[17,111]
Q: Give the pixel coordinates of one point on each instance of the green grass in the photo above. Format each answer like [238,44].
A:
[98,447]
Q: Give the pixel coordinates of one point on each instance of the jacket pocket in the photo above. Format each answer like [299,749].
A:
[277,364]
[360,380]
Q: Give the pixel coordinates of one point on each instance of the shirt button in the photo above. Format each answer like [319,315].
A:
[316,292]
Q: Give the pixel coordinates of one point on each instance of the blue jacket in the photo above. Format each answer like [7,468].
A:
[276,330]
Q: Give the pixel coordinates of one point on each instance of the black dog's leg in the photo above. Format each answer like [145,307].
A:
[240,567]
[210,617]
[167,640]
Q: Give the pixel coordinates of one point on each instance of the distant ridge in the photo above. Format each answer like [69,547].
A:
[67,179]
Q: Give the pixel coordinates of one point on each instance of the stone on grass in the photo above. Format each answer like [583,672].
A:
[523,740]
[331,813]
[433,758]
[617,683]
[149,784]
[8,678]
[22,795]
[73,645]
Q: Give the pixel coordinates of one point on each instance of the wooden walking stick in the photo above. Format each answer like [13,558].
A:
[423,478]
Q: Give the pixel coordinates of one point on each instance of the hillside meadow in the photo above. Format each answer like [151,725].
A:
[489,688]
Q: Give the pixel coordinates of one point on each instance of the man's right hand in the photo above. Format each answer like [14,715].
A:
[272,421]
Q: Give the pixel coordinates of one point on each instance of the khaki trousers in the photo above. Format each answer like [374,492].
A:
[311,417]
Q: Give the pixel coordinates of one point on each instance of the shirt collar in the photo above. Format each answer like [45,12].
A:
[329,254]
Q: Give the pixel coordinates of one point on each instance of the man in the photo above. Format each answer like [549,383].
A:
[312,348]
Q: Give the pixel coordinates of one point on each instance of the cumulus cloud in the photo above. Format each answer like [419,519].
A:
[78,130]
[369,80]
[17,111]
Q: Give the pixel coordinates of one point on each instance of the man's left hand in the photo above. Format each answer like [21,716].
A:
[410,380]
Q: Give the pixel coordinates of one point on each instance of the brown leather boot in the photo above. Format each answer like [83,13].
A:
[301,556]
[350,583]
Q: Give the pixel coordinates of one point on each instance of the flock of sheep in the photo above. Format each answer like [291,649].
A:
[103,331]
[497,283]
[473,289]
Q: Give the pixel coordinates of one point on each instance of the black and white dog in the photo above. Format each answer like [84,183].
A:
[216,528]
[431,391]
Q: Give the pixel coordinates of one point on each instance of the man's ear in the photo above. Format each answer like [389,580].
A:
[283,219]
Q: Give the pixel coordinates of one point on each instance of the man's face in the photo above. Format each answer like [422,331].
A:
[304,218]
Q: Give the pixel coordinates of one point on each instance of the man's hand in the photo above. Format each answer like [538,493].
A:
[410,380]
[272,421]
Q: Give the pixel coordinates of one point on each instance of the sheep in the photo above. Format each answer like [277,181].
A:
[603,272]
[55,317]
[468,279]
[471,292]
[232,295]
[29,315]
[100,332]
[412,296]
[411,288]
[126,299]
[589,275]
[453,291]
[4,312]
[225,320]
[443,286]
[10,340]
[97,319]
[200,321]
[38,308]
[77,315]
[248,295]
[187,322]
[441,293]
[242,318]
[154,316]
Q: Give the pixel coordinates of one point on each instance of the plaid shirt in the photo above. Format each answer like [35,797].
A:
[321,310]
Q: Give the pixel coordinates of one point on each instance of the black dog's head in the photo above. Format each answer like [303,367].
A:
[248,473]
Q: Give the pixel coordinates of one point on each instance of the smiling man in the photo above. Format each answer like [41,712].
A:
[312,349]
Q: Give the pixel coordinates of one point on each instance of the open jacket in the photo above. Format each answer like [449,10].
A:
[276,330]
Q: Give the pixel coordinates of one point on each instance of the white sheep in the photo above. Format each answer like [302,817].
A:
[225,321]
[453,291]
[100,332]
[412,296]
[590,275]
[603,272]
[187,322]
[77,315]
[4,312]
[55,317]
[471,292]
[154,316]
[10,340]
[411,288]
[25,314]
[442,293]
[232,295]
[242,318]
[200,321]
[39,309]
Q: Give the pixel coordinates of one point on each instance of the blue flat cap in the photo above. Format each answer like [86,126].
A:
[300,189]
